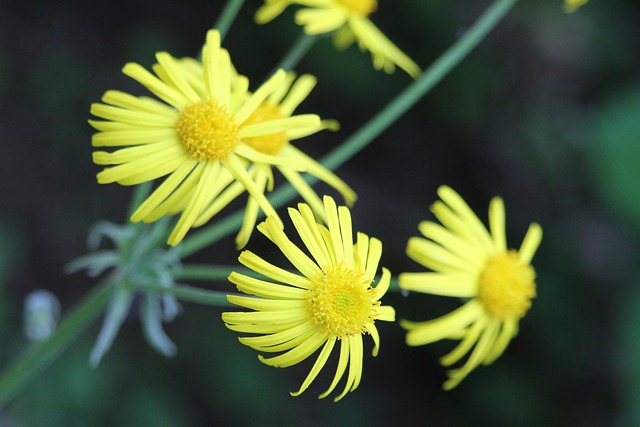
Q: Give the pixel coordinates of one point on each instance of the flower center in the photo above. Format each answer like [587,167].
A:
[507,286]
[268,144]
[361,7]
[207,130]
[341,301]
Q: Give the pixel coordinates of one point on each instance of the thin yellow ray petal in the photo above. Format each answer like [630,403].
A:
[126,155]
[305,190]
[333,224]
[342,366]
[176,76]
[133,137]
[224,94]
[269,127]
[251,213]
[446,284]
[502,341]
[265,317]
[355,364]
[346,232]
[383,285]
[434,330]
[361,250]
[319,21]
[256,156]
[266,328]
[376,338]
[323,174]
[141,119]
[239,93]
[211,62]
[259,96]
[297,257]
[461,208]
[435,257]
[530,243]
[356,359]
[196,204]
[298,93]
[480,351]
[257,264]
[163,91]
[373,258]
[238,171]
[138,103]
[253,286]
[386,313]
[182,192]
[497,223]
[281,91]
[264,304]
[163,191]
[154,163]
[384,51]
[317,366]
[297,354]
[470,339]
[309,238]
[220,202]
[281,341]
[453,243]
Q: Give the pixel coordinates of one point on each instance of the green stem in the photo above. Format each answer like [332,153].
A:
[18,375]
[208,272]
[191,294]
[140,193]
[227,16]
[374,127]
[299,49]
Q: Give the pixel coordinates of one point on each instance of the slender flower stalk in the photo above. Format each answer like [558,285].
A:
[470,262]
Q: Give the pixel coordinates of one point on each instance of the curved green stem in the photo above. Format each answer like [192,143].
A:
[299,49]
[374,127]
[191,294]
[227,16]
[18,375]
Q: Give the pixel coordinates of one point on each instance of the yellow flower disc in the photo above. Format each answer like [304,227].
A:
[341,301]
[268,144]
[361,7]
[207,130]
[507,286]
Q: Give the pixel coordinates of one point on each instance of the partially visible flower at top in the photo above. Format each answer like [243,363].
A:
[350,21]
[470,262]
[332,299]
[571,6]
[280,105]
[194,136]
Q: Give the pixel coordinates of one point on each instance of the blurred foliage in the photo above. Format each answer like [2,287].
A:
[545,113]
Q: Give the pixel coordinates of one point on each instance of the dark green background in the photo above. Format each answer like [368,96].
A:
[546,113]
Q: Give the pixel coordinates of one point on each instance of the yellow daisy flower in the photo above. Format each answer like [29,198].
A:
[571,6]
[332,299]
[472,263]
[194,135]
[350,21]
[280,105]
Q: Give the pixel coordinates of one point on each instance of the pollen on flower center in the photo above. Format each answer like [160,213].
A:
[207,130]
[507,286]
[268,144]
[361,7]
[341,301]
